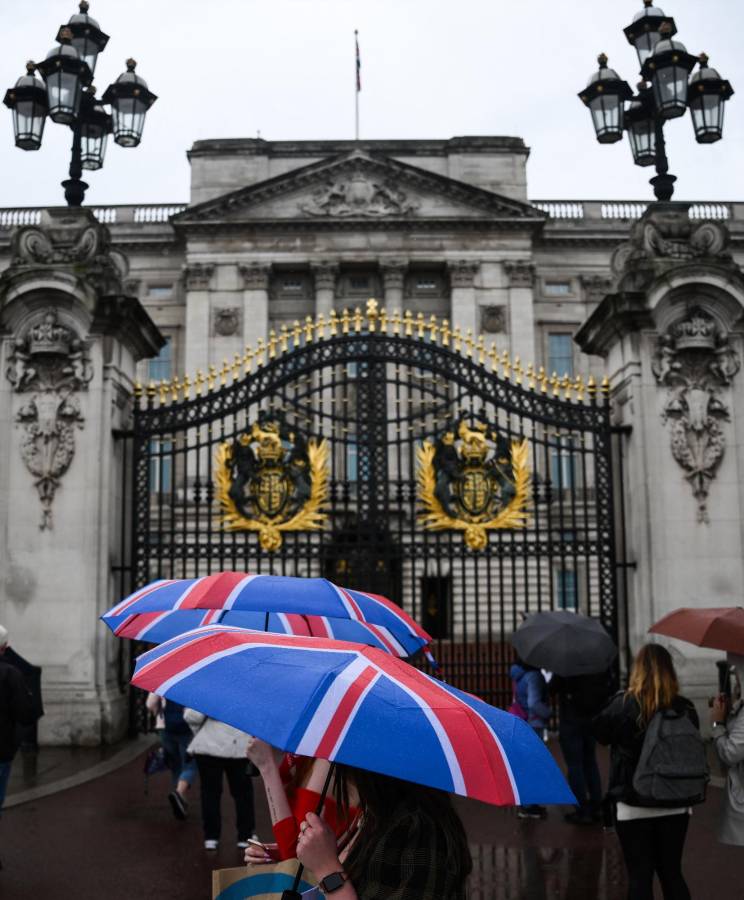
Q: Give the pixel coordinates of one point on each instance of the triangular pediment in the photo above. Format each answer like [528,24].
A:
[361,187]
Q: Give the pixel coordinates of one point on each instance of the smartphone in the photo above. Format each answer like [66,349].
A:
[257,844]
[271,851]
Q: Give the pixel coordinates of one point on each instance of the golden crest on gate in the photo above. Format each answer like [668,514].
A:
[473,479]
[271,479]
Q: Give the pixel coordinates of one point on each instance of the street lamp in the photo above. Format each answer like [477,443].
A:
[67,96]
[667,92]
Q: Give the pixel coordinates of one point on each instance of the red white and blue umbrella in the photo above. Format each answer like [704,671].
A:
[156,627]
[276,594]
[355,705]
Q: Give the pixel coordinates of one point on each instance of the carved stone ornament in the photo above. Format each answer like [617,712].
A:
[493,319]
[694,360]
[255,276]
[325,275]
[520,272]
[226,321]
[393,274]
[663,238]
[198,276]
[359,195]
[462,273]
[50,363]
[70,239]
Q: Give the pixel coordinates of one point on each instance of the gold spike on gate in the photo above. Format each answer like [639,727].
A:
[199,382]
[408,322]
[445,331]
[345,321]
[591,387]
[332,323]
[284,338]
[186,387]
[531,377]
[309,329]
[175,389]
[469,343]
[163,389]
[260,350]
[320,324]
[372,313]
[296,334]
[358,320]
[224,373]
[272,344]
[518,370]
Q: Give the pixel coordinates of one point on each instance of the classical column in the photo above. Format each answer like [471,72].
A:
[197,279]
[324,276]
[255,302]
[464,308]
[520,276]
[71,340]
[670,333]
[393,279]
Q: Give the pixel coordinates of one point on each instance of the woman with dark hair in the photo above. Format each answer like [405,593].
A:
[409,843]
[652,837]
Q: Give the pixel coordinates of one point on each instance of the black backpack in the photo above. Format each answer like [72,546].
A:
[673,769]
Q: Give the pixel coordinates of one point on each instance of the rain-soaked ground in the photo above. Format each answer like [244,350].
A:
[108,839]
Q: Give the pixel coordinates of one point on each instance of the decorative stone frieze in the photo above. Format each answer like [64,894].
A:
[462,273]
[520,273]
[595,287]
[255,276]
[198,276]
[359,193]
[227,321]
[50,363]
[694,360]
[393,274]
[493,319]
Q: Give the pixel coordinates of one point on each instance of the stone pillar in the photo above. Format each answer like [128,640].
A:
[393,279]
[520,276]
[324,276]
[70,340]
[197,277]
[464,308]
[255,302]
[671,334]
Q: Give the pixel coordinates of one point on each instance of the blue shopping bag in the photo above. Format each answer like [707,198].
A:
[260,882]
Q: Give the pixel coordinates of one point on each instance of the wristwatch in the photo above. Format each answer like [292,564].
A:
[333,882]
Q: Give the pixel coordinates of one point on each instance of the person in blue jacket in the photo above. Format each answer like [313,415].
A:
[530,691]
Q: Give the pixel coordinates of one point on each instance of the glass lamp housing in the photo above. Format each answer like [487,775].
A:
[28,101]
[95,127]
[604,96]
[87,37]
[65,74]
[707,97]
[644,32]
[641,127]
[668,69]
[130,99]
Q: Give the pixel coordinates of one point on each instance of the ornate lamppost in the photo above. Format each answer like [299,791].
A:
[666,92]
[67,96]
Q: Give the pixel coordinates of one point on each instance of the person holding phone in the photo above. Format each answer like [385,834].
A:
[727,722]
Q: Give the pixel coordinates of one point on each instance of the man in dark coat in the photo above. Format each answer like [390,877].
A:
[16,708]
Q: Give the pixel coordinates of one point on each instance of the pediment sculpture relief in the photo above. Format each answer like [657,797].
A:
[358,195]
[694,360]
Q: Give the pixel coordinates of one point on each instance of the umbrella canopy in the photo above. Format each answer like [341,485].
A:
[356,705]
[156,627]
[564,642]
[720,628]
[240,592]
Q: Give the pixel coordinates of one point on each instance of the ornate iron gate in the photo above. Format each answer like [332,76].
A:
[392,454]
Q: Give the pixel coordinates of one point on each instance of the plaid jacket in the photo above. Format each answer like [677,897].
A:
[409,862]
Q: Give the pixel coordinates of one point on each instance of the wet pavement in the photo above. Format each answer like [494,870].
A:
[107,838]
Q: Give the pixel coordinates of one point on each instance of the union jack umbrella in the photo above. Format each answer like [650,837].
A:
[156,627]
[356,705]
[336,612]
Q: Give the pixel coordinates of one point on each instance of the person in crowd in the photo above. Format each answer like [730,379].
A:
[220,751]
[410,843]
[530,693]
[16,708]
[728,739]
[580,698]
[652,838]
[294,786]
[175,736]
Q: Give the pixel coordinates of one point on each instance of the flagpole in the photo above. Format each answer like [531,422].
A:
[357,84]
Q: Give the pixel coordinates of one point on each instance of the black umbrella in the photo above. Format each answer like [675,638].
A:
[564,642]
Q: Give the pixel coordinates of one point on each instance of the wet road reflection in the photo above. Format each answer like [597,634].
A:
[546,873]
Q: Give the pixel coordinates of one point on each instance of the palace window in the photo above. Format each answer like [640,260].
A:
[557,288]
[161,366]
[566,589]
[352,462]
[159,291]
[563,464]
[560,354]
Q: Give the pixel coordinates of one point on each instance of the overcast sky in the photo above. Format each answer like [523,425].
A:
[430,69]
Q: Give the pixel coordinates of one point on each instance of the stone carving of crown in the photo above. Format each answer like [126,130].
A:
[697,332]
[48,337]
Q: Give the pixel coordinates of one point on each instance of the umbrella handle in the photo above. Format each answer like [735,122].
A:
[293,893]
